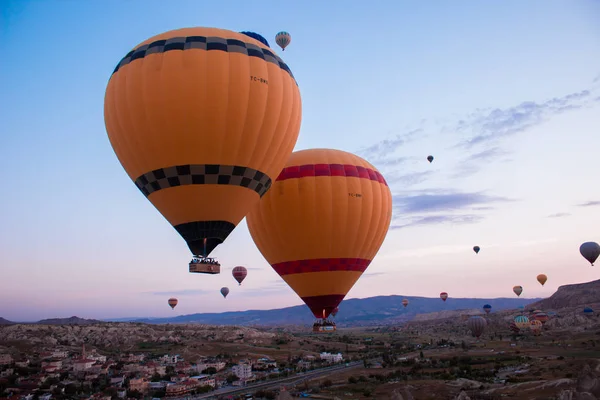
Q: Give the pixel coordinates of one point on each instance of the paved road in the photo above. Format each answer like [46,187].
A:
[275,383]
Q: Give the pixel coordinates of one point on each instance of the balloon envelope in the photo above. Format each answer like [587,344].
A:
[225,291]
[172,302]
[430,158]
[521,321]
[443,296]
[542,278]
[202,120]
[518,290]
[476,325]
[283,39]
[322,223]
[239,274]
[590,251]
[487,308]
[405,302]
[476,249]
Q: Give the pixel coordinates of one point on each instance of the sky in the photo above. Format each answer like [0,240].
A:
[505,96]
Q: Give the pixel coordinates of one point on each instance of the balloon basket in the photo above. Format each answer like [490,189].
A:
[204,266]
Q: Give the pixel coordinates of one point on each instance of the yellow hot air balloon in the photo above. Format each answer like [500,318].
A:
[542,278]
[322,223]
[202,120]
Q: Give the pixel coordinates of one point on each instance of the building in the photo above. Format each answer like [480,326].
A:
[243,371]
[60,354]
[83,365]
[171,360]
[205,380]
[265,363]
[332,358]
[140,385]
[202,365]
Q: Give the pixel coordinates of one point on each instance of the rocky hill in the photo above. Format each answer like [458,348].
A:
[5,321]
[567,296]
[372,311]
[68,321]
[112,335]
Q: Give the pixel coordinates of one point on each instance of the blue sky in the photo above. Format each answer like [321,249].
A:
[505,95]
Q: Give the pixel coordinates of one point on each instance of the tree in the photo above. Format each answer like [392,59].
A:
[232,378]
[421,355]
[210,371]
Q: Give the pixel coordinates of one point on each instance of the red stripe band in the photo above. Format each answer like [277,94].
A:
[321,265]
[301,171]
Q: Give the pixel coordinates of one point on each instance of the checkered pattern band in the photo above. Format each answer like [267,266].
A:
[203,174]
[204,43]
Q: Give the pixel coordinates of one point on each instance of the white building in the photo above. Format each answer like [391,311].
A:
[82,365]
[202,365]
[60,354]
[332,358]
[242,371]
[169,359]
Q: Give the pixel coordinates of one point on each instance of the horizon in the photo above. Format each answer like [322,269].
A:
[505,96]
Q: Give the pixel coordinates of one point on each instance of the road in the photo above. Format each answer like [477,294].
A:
[278,382]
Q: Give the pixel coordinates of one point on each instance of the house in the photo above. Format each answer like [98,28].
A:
[171,359]
[204,364]
[60,354]
[205,380]
[117,381]
[7,372]
[302,364]
[265,363]
[140,385]
[22,363]
[82,365]
[332,358]
[243,371]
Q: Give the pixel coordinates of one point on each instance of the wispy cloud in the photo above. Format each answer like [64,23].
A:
[183,292]
[488,125]
[373,274]
[413,178]
[439,219]
[442,202]
[381,150]
[558,215]
[589,203]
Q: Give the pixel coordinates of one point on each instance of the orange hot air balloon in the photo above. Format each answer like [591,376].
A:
[405,302]
[542,278]
[202,120]
[444,296]
[322,223]
[173,302]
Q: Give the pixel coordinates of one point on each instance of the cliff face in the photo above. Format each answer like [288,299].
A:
[571,296]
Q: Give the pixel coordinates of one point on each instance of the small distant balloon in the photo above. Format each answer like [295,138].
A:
[487,308]
[225,291]
[476,325]
[405,302]
[476,249]
[518,290]
[444,296]
[430,158]
[239,274]
[283,39]
[590,251]
[542,278]
[173,302]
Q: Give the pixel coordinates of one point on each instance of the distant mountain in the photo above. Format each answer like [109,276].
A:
[5,322]
[580,294]
[380,310]
[68,321]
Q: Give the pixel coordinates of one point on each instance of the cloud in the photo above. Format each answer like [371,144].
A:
[183,292]
[373,274]
[409,179]
[488,125]
[488,155]
[440,219]
[589,203]
[442,202]
[558,215]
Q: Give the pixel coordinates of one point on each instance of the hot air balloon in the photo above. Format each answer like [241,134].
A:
[225,291]
[476,249]
[542,278]
[405,302]
[430,159]
[443,296]
[487,308]
[322,224]
[239,274]
[521,321]
[335,311]
[518,290]
[202,120]
[535,326]
[476,325]
[172,302]
[588,311]
[541,316]
[590,251]
[283,39]
[513,327]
